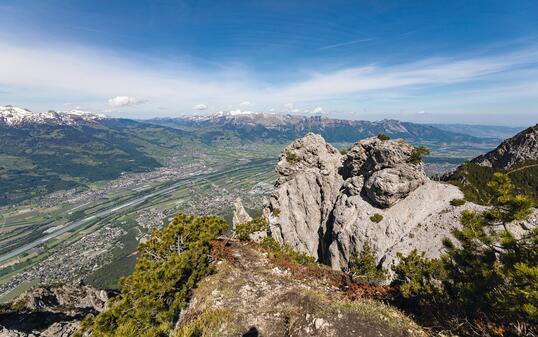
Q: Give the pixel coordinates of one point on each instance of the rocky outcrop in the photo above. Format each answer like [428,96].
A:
[521,147]
[51,311]
[385,168]
[305,192]
[240,214]
[323,201]
[250,294]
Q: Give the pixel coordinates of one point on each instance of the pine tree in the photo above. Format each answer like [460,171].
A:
[490,270]
[364,266]
[170,264]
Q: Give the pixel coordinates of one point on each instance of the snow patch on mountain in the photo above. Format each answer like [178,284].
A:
[14,117]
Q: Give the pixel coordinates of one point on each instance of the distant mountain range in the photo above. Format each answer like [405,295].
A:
[481,131]
[49,151]
[285,127]
[18,117]
[45,152]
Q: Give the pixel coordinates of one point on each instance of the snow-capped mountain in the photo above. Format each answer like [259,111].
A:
[271,126]
[14,117]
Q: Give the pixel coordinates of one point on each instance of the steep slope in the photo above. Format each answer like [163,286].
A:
[44,152]
[50,311]
[516,156]
[249,293]
[521,147]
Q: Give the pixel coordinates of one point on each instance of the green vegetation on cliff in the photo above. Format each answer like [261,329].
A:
[170,264]
[363,266]
[244,230]
[488,279]
[472,179]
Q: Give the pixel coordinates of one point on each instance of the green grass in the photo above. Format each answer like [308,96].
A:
[472,179]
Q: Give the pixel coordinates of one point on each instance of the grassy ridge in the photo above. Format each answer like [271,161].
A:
[472,180]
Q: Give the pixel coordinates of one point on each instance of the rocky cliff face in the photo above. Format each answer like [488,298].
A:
[323,201]
[240,215]
[307,187]
[51,311]
[521,147]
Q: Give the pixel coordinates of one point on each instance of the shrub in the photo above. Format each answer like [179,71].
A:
[376,218]
[417,277]
[344,151]
[279,251]
[489,270]
[487,273]
[457,202]
[276,212]
[244,230]
[417,153]
[170,264]
[364,266]
[291,157]
[383,137]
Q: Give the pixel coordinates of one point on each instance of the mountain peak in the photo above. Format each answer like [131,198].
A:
[521,147]
[15,116]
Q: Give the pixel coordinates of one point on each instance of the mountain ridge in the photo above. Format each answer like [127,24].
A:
[17,117]
[290,127]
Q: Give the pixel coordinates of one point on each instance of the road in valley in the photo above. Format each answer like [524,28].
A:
[122,206]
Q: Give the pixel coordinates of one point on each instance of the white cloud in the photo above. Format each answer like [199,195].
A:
[245,104]
[200,107]
[122,101]
[317,110]
[57,73]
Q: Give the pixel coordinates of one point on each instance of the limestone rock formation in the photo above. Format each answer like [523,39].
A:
[521,147]
[384,165]
[240,214]
[323,201]
[51,311]
[305,192]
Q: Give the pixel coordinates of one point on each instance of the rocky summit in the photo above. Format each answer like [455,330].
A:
[520,148]
[329,204]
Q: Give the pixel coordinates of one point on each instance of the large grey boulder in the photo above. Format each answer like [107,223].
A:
[386,169]
[70,299]
[388,186]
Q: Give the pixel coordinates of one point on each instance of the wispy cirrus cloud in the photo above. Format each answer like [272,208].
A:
[347,43]
[90,76]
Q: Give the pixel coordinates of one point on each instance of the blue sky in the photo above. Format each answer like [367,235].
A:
[425,61]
